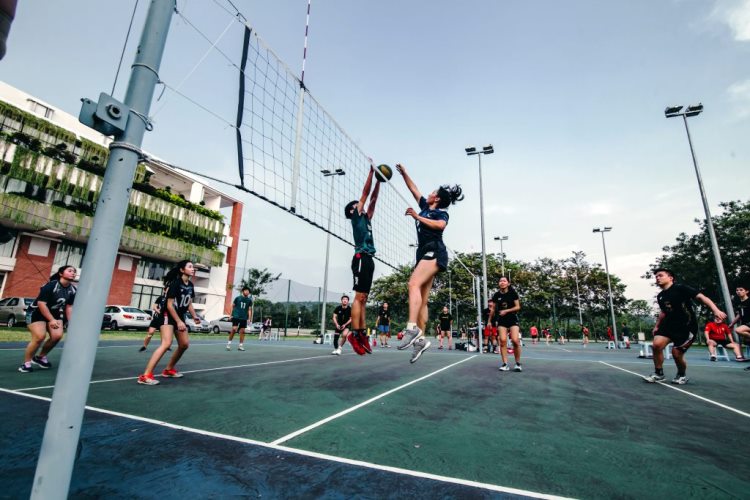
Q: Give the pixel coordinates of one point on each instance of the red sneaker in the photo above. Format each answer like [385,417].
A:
[356,345]
[364,341]
[147,379]
[171,373]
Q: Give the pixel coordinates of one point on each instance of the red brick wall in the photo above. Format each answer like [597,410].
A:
[121,287]
[31,271]
[234,232]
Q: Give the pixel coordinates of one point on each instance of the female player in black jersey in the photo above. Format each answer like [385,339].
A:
[180,294]
[503,308]
[51,309]
[432,257]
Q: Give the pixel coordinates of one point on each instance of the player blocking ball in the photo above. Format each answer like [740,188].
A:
[383,173]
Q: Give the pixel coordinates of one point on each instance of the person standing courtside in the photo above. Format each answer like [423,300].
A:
[242,312]
[342,318]
[677,324]
[383,324]
[51,309]
[446,327]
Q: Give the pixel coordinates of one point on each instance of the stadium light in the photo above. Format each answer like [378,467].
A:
[695,110]
[471,151]
[502,254]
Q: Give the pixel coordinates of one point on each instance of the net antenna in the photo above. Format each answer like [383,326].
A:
[300,111]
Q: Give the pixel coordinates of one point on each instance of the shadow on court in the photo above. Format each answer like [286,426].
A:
[568,425]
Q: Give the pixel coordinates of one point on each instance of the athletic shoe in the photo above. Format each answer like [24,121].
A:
[450,348]
[147,379]
[143,348]
[336,351]
[356,345]
[410,336]
[364,341]
[741,359]
[171,373]
[387,346]
[746,369]
[229,347]
[652,379]
[517,368]
[713,358]
[25,369]
[504,367]
[440,347]
[41,363]
[241,347]
[680,380]
[420,346]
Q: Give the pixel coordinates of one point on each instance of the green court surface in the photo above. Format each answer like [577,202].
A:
[575,423]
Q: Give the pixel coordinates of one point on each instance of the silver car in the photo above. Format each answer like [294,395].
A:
[13,310]
[193,327]
[223,324]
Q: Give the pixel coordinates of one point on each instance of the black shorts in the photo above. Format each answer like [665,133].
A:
[241,323]
[165,319]
[723,342]
[434,250]
[363,267]
[681,340]
[156,321]
[507,321]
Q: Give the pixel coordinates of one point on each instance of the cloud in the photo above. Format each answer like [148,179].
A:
[739,94]
[736,15]
[597,208]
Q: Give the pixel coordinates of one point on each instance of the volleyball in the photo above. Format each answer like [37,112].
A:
[383,173]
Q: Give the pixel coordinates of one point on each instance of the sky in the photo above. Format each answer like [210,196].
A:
[570,94]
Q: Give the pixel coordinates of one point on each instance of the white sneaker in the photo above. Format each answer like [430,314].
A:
[517,368]
[680,380]
[240,348]
[337,351]
[229,347]
[504,367]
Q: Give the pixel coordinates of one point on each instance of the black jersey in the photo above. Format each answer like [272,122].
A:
[384,317]
[183,295]
[743,311]
[504,300]
[676,302]
[160,304]
[425,234]
[342,314]
[56,297]
[445,321]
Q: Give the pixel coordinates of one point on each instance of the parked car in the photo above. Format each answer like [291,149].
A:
[193,327]
[223,324]
[255,328]
[106,321]
[127,317]
[13,310]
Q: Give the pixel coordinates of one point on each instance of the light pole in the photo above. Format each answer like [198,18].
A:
[470,151]
[695,110]
[247,246]
[327,173]
[578,290]
[609,284]
[450,293]
[502,254]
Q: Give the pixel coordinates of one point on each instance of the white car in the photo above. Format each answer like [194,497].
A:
[193,327]
[127,317]
[223,324]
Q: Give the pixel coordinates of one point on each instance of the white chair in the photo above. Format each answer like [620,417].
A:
[327,338]
[611,345]
[647,350]
[721,353]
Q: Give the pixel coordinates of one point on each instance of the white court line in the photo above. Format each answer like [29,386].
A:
[187,371]
[721,405]
[115,346]
[364,403]
[306,453]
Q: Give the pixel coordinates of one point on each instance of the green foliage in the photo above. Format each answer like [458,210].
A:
[257,280]
[691,259]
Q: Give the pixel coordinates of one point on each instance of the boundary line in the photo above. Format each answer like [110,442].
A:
[311,454]
[711,401]
[364,403]
[201,370]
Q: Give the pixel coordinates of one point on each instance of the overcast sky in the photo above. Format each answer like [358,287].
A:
[571,94]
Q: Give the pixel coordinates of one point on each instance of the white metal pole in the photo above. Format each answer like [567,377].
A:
[481,222]
[609,286]
[325,273]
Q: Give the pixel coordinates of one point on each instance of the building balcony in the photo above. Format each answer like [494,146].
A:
[29,215]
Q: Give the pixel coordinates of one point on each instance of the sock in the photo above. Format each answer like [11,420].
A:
[660,371]
[43,358]
[680,373]
[229,342]
[27,364]
[411,326]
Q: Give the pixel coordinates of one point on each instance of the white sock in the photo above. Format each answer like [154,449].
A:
[229,343]
[411,326]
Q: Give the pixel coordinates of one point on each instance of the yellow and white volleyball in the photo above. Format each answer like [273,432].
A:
[383,173]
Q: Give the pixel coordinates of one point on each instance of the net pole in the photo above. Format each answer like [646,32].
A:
[62,431]
[300,118]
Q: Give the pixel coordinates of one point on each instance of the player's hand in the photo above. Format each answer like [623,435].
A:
[181,326]
[721,315]
[197,321]
[401,169]
[54,324]
[411,212]
[503,312]
[655,330]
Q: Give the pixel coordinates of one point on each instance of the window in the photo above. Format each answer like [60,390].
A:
[151,269]
[4,302]
[13,301]
[40,109]
[144,296]
[68,255]
[6,249]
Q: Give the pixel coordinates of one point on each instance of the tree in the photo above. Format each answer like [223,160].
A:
[691,258]
[257,280]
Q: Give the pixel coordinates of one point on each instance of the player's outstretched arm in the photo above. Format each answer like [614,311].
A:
[365,192]
[373,200]
[710,304]
[409,183]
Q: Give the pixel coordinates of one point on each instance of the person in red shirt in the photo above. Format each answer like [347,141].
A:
[718,333]
[585,334]
[610,335]
[534,334]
